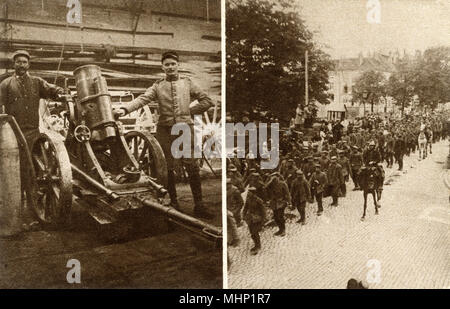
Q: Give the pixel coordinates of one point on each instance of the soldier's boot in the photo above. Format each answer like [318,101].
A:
[257,246]
[196,188]
[171,189]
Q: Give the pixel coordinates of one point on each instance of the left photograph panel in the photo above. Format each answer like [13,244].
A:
[110,162]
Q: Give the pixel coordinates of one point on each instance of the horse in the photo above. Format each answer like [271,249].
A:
[422,141]
[371,182]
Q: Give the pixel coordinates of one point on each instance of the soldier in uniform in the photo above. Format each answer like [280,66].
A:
[399,150]
[234,201]
[280,198]
[317,183]
[335,179]
[19,97]
[346,171]
[324,161]
[389,150]
[371,154]
[254,214]
[300,193]
[308,169]
[174,95]
[356,162]
[236,178]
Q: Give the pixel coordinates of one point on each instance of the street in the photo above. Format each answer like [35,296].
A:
[144,259]
[405,246]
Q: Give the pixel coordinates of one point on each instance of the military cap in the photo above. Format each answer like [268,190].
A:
[355,147]
[317,165]
[309,158]
[233,169]
[229,180]
[20,53]
[252,189]
[372,143]
[169,54]
[324,151]
[291,160]
[333,158]
[340,151]
[275,174]
[299,172]
[255,174]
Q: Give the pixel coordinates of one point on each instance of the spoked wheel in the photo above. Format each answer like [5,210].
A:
[211,128]
[53,179]
[149,154]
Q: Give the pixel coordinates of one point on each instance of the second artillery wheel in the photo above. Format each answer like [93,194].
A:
[53,179]
[149,154]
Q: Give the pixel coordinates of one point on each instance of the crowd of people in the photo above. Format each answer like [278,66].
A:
[318,163]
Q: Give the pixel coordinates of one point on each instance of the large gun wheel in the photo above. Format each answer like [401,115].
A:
[53,179]
[149,154]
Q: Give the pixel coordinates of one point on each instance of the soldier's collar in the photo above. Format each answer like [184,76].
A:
[172,78]
[23,76]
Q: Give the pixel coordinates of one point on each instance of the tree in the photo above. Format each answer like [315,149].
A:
[431,77]
[400,84]
[369,88]
[266,44]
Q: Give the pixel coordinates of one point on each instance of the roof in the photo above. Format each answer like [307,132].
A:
[378,62]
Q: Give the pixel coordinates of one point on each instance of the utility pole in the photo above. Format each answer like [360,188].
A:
[306,78]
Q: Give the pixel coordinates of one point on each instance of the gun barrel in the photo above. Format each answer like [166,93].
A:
[206,229]
[95,183]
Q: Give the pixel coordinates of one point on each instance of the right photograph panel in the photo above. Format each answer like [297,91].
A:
[338,116]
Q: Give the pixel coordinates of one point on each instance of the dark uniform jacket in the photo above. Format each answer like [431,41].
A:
[356,160]
[278,193]
[21,96]
[254,211]
[173,98]
[334,175]
[371,155]
[318,182]
[344,162]
[234,200]
[300,190]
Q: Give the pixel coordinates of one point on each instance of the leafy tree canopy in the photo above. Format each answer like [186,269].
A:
[266,45]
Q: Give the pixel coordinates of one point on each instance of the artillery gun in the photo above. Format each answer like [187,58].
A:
[111,173]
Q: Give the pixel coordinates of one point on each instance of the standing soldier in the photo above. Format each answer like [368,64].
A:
[174,94]
[236,178]
[389,149]
[279,199]
[346,171]
[255,215]
[308,168]
[335,179]
[19,96]
[300,193]
[289,172]
[324,161]
[318,182]
[356,162]
[234,201]
[399,150]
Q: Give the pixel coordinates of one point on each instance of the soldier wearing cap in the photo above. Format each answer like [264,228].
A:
[236,178]
[300,193]
[389,149]
[254,214]
[318,183]
[20,95]
[399,149]
[256,181]
[279,199]
[346,170]
[289,172]
[324,161]
[308,168]
[335,179]
[174,94]
[234,201]
[356,162]
[371,154]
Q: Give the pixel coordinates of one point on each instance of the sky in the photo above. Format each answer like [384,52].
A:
[404,25]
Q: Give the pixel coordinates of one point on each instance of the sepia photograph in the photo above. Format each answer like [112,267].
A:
[101,107]
[357,96]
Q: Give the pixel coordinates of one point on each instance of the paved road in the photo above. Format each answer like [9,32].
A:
[406,246]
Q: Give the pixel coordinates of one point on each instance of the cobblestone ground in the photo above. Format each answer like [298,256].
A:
[409,238]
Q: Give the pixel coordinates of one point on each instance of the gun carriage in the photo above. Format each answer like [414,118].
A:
[110,172]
